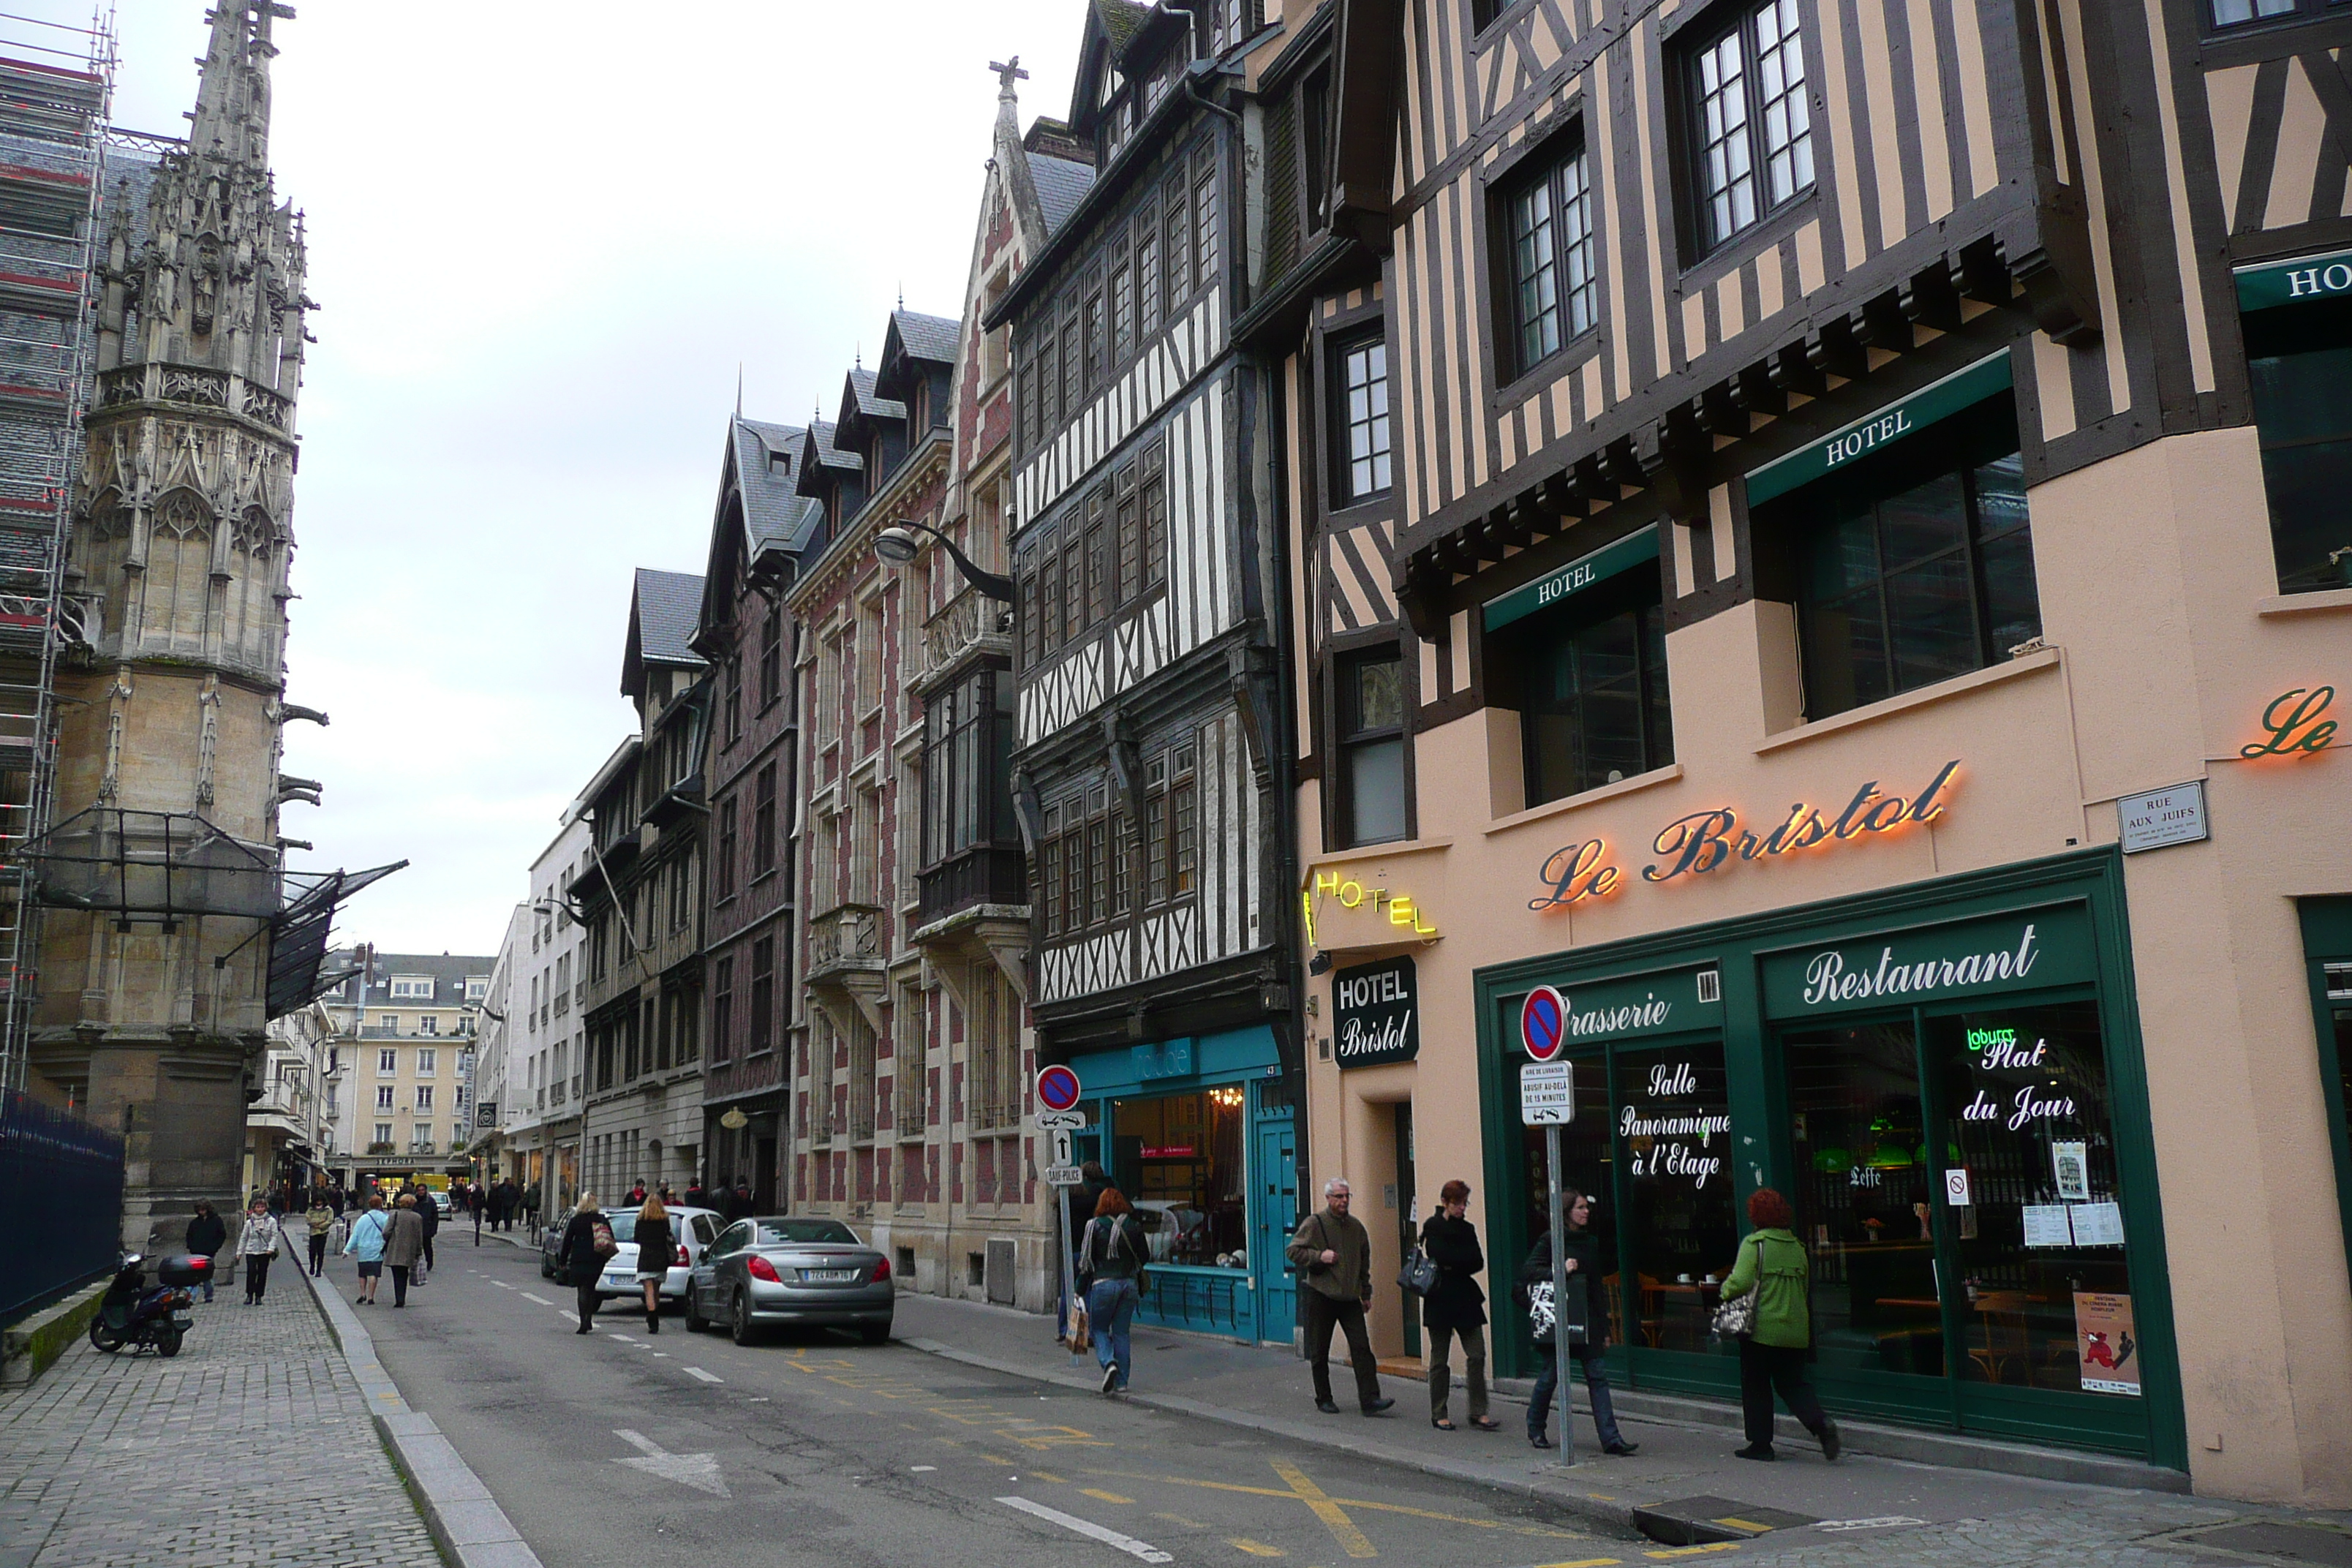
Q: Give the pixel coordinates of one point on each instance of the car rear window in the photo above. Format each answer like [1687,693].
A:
[625,1225]
[773,1231]
[704,1229]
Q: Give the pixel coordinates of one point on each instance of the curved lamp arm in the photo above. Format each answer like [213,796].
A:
[897,542]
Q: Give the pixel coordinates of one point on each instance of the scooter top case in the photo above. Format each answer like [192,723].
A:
[184,1268]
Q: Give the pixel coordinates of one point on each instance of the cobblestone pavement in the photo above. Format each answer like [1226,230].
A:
[253,1447]
[2083,1527]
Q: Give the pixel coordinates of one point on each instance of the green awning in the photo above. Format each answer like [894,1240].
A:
[1937,400]
[2299,280]
[1635,548]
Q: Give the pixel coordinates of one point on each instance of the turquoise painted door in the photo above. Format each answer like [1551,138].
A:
[1274,1182]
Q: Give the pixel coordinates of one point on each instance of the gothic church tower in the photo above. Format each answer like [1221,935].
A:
[177,575]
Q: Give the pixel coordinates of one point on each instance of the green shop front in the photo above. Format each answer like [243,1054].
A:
[1945,1079]
[1198,1134]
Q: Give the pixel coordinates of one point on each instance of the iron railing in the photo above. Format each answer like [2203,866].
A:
[69,1230]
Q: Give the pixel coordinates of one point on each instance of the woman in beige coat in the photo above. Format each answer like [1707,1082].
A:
[404,1245]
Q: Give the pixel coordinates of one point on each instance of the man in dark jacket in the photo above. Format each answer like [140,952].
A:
[428,1210]
[698,1196]
[207,1234]
[1334,1258]
[739,1203]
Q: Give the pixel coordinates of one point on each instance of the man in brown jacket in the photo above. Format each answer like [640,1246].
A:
[1334,1258]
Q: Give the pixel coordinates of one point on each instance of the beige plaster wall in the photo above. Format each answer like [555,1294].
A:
[2153,568]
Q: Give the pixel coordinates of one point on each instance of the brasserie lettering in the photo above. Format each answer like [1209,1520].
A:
[1827,978]
[1645,1014]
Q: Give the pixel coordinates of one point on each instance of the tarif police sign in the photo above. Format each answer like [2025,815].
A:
[1376,1013]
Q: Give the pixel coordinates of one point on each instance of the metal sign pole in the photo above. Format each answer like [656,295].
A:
[1559,1296]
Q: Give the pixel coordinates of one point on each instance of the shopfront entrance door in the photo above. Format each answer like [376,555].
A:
[1408,1226]
[1274,1185]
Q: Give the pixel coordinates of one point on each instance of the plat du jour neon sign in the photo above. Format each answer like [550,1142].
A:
[1706,841]
[1352,894]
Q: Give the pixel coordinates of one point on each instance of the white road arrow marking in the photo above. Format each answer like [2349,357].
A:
[1087,1528]
[700,1471]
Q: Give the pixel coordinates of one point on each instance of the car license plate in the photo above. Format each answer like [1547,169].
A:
[829,1275]
[620,1281]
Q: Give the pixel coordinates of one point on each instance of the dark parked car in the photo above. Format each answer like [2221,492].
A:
[780,1270]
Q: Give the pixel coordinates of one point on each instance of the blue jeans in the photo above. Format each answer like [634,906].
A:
[1596,1388]
[1110,1308]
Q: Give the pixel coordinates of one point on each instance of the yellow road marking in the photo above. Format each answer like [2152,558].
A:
[1695,1551]
[1744,1525]
[1255,1548]
[1585,1562]
[1180,1518]
[1049,1476]
[1335,1518]
[1507,1529]
[996,1459]
[1098,1493]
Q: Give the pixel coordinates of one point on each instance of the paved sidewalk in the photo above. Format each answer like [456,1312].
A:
[1877,1510]
[254,1445]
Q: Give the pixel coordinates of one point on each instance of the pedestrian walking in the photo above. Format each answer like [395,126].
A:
[698,1196]
[587,1242]
[318,1218]
[739,1202]
[1588,1300]
[637,1193]
[256,1247]
[1333,1256]
[1773,1264]
[1111,1256]
[530,1207]
[429,1219]
[1077,1212]
[207,1234]
[403,1244]
[656,1245]
[368,1232]
[1456,1306]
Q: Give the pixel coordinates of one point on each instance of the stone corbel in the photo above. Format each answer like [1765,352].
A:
[869,992]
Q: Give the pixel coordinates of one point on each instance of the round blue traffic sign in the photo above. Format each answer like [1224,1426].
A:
[1543,1022]
[1057,1088]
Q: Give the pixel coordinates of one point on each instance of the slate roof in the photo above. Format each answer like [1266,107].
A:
[811,521]
[667,605]
[448,973]
[821,453]
[1121,20]
[772,502]
[931,338]
[1061,185]
[869,404]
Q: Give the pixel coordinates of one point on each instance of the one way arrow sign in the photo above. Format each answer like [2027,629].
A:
[700,1471]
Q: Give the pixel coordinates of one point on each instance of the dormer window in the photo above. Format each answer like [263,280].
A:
[780,463]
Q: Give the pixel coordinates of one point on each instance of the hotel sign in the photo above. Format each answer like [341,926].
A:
[1376,1013]
[1637,549]
[2300,281]
[1937,400]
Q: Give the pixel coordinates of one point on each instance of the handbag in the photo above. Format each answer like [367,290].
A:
[603,1243]
[1736,1318]
[1418,1273]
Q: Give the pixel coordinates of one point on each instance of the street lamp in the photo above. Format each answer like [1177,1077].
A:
[899,544]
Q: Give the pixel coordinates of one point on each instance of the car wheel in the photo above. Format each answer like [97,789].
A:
[695,1322]
[739,1324]
[167,1343]
[873,1333]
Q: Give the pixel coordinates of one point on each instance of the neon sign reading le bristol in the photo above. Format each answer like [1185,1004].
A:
[1706,841]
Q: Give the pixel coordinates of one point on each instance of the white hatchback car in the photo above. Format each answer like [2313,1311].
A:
[695,1230]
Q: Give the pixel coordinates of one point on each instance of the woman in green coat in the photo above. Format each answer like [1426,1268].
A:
[1773,1263]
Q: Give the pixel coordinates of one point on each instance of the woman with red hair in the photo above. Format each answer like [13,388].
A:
[1773,1264]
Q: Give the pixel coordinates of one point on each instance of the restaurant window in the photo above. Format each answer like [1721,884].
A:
[2299,360]
[1179,1160]
[1546,217]
[1752,134]
[1372,748]
[1361,469]
[1914,564]
[1595,709]
[1670,1113]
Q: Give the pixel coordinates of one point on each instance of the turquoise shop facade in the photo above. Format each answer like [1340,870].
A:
[1258,1298]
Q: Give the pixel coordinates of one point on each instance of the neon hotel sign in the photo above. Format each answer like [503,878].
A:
[1709,841]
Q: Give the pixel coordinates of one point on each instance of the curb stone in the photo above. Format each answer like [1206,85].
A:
[31,1345]
[466,1522]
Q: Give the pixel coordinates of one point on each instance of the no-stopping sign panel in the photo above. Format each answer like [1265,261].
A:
[1057,1088]
[1543,1022]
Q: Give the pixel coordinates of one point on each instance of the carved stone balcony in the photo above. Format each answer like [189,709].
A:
[983,874]
[845,939]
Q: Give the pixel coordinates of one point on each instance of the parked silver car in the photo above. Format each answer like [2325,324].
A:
[761,1272]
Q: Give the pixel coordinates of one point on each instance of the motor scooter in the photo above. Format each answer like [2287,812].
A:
[135,1315]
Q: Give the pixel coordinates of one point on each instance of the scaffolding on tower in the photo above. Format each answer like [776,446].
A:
[57,86]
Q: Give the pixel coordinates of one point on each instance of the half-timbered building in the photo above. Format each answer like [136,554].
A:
[1147,719]
[1821,582]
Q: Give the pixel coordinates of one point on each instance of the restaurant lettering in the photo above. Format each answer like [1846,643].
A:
[1827,978]
[2292,723]
[1706,841]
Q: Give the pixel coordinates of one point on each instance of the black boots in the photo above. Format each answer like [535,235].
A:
[653,1322]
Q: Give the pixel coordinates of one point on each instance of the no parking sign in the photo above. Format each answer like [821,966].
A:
[1543,1022]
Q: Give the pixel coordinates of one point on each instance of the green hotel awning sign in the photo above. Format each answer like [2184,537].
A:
[1562,583]
[2299,280]
[1937,400]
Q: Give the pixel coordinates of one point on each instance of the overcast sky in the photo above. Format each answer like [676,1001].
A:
[543,238]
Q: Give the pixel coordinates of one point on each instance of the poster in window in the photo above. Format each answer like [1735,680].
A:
[2070,1164]
[1376,1013]
[2103,1338]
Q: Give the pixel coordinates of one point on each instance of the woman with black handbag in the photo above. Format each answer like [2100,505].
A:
[1453,1307]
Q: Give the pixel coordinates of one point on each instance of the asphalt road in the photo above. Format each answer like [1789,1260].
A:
[620,1447]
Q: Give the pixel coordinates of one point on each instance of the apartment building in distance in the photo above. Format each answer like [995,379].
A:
[546,1040]
[409,1021]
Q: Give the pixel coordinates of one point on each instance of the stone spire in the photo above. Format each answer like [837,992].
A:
[232,112]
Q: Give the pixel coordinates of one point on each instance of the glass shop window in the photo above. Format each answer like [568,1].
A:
[1179,1161]
[2041,1241]
[1672,1118]
[2300,361]
[1858,1133]
[1595,699]
[1588,1159]
[1914,566]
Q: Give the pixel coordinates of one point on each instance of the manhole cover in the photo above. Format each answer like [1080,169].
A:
[1698,1521]
[2296,1542]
